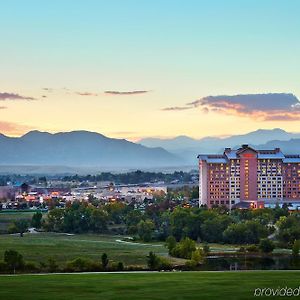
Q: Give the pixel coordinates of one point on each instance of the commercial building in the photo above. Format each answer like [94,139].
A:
[247,177]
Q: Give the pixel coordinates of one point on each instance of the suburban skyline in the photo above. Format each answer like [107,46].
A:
[158,69]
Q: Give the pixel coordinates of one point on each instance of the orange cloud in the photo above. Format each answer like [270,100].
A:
[13,129]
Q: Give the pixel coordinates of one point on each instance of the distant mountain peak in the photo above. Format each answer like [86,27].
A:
[33,133]
[274,130]
[81,148]
[188,147]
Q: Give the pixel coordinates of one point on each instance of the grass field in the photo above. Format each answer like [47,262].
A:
[184,285]
[39,247]
[62,247]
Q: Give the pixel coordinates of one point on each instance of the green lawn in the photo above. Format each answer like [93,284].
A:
[40,247]
[227,248]
[214,247]
[62,247]
[184,285]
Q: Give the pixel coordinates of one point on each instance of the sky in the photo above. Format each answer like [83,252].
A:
[133,69]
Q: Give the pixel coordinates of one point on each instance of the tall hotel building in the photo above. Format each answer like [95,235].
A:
[249,178]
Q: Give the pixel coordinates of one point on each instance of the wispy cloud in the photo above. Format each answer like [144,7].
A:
[13,96]
[176,108]
[68,91]
[86,94]
[126,92]
[265,107]
[94,94]
[47,89]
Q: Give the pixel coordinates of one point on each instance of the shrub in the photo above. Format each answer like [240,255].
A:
[79,265]
[184,248]
[296,248]
[14,260]
[3,266]
[152,261]
[95,266]
[171,243]
[132,229]
[190,264]
[12,228]
[266,245]
[52,266]
[164,264]
[104,260]
[206,248]
[30,267]
[157,263]
[242,249]
[120,266]
[252,248]
[36,220]
[117,266]
[43,266]
[198,256]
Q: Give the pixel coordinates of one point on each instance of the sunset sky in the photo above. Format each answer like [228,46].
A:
[133,68]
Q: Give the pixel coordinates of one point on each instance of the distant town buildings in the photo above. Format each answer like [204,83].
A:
[247,178]
[23,196]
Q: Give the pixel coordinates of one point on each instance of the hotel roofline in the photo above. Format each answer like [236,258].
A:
[231,154]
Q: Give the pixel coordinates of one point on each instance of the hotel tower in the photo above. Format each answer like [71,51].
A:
[247,177]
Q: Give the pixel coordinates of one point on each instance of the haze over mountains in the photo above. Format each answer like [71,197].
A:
[70,151]
[80,148]
[184,146]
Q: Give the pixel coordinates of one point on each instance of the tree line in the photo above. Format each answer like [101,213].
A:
[135,177]
[160,220]
[13,262]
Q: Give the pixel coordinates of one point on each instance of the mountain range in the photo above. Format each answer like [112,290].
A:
[80,151]
[188,148]
[80,148]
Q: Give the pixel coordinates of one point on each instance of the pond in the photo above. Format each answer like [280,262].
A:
[251,263]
